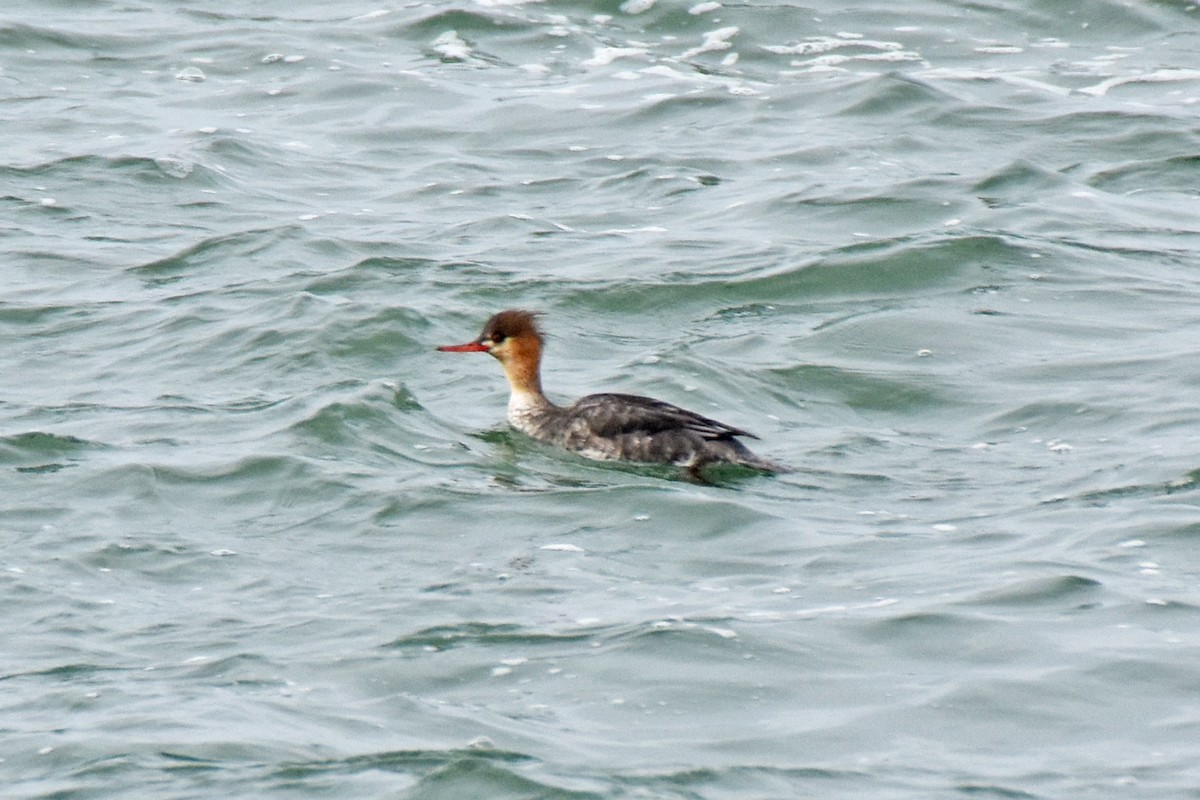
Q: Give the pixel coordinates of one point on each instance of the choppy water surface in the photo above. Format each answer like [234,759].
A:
[260,539]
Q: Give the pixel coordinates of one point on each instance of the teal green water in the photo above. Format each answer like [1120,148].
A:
[261,540]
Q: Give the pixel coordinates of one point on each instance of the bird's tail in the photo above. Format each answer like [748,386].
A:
[765,465]
[744,456]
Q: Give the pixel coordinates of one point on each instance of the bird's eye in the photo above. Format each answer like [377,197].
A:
[498,338]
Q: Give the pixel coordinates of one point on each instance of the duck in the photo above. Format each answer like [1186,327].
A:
[608,426]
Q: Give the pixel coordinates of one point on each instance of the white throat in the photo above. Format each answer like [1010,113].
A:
[523,406]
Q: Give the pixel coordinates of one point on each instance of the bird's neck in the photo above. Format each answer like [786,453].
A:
[523,371]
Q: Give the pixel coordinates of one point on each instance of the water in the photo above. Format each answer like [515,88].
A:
[261,540]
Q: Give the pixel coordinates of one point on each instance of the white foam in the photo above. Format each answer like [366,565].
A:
[603,56]
[637,6]
[1158,76]
[824,44]
[836,59]
[733,86]
[703,8]
[563,547]
[944,73]
[713,40]
[449,45]
[663,71]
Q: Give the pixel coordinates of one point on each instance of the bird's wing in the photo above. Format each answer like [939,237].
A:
[615,414]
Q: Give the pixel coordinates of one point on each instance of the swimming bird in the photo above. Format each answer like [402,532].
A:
[607,426]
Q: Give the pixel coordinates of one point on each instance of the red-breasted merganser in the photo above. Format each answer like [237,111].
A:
[603,426]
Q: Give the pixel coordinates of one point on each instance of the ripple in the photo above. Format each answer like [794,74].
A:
[950,275]
[1075,590]
[41,452]
[210,251]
